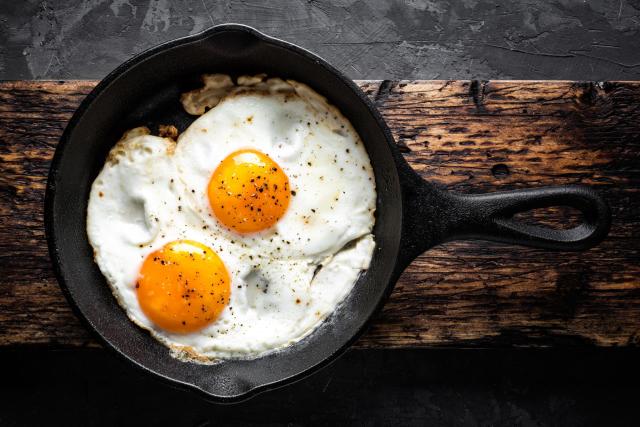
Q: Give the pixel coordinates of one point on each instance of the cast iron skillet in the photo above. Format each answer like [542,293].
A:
[412,215]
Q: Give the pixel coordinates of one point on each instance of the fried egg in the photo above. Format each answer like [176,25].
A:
[240,238]
[307,149]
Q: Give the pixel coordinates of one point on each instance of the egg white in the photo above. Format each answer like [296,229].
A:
[152,191]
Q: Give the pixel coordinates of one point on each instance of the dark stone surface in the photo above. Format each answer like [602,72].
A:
[482,39]
[401,387]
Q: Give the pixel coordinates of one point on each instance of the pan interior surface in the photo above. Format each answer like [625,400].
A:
[145,91]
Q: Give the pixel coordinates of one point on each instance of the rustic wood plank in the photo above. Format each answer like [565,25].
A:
[472,136]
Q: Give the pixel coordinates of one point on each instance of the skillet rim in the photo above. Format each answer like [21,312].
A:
[50,194]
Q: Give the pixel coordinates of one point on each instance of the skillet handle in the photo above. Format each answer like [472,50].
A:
[490,217]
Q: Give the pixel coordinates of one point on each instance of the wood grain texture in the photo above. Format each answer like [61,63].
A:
[472,136]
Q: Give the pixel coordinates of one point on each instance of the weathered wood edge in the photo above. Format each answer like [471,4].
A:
[473,301]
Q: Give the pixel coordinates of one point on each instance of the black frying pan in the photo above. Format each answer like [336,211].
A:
[412,215]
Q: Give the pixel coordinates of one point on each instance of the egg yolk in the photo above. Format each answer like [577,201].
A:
[183,286]
[248,191]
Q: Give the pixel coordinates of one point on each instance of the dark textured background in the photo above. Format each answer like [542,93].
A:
[591,40]
[482,39]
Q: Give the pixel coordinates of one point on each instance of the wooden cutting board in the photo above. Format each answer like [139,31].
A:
[468,135]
